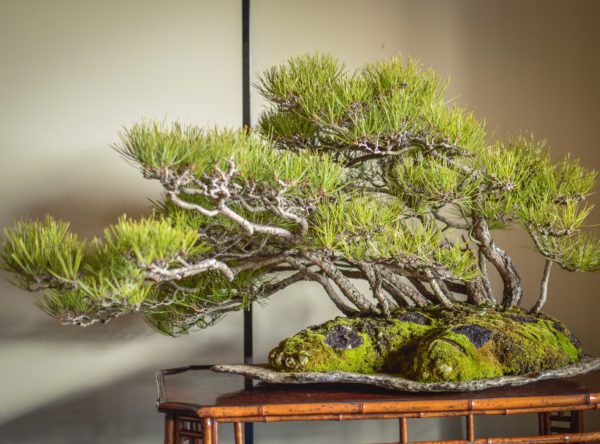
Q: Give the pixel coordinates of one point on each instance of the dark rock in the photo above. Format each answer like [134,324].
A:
[558,326]
[574,340]
[569,334]
[477,334]
[343,337]
[415,318]
[521,319]
[375,328]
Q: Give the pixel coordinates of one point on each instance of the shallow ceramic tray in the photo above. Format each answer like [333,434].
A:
[267,374]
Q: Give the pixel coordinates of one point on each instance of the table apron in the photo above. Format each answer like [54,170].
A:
[518,405]
[396,415]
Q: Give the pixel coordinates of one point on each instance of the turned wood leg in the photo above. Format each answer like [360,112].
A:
[169,429]
[239,433]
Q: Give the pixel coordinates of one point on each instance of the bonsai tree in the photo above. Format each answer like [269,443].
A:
[372,175]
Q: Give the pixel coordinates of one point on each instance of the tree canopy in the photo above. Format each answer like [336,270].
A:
[368,175]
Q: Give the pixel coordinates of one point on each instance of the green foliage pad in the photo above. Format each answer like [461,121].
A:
[370,174]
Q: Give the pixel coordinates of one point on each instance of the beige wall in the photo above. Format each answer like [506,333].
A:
[72,72]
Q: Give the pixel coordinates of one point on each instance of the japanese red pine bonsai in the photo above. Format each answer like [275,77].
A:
[371,176]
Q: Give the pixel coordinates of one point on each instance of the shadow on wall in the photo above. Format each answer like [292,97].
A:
[123,412]
[89,212]
[530,64]
[42,361]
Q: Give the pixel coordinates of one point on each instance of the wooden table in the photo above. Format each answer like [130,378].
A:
[196,401]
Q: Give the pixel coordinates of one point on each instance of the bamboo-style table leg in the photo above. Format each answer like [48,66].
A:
[170,429]
[239,433]
[470,428]
[403,431]
[210,431]
[577,421]
[544,423]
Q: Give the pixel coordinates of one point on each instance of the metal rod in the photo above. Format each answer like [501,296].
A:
[246,122]
[246,65]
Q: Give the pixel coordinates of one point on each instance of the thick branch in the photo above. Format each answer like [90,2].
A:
[190,206]
[260,262]
[208,315]
[472,289]
[485,279]
[344,284]
[396,280]
[476,292]
[250,227]
[456,287]
[283,283]
[422,289]
[375,281]
[160,274]
[86,320]
[439,293]
[544,287]
[279,210]
[324,281]
[500,260]
[220,189]
[445,289]
[401,299]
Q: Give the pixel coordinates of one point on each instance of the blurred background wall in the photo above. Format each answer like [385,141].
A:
[72,72]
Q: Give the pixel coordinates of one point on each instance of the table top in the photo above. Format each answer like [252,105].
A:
[202,392]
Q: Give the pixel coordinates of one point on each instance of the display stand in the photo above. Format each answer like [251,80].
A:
[196,401]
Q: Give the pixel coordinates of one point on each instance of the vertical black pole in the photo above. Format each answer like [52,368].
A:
[246,122]
[246,73]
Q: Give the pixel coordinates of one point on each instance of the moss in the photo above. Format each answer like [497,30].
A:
[309,351]
[448,357]
[433,344]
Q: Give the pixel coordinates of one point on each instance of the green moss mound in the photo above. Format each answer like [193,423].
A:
[433,344]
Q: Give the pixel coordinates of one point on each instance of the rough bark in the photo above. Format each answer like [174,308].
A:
[344,284]
[325,283]
[544,287]
[512,292]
